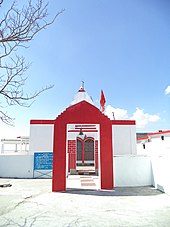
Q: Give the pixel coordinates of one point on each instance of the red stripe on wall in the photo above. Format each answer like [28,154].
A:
[75,130]
[123,122]
[85,125]
[41,122]
[159,133]
[143,138]
[85,128]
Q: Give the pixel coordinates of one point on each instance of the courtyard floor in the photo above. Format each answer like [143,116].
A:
[30,202]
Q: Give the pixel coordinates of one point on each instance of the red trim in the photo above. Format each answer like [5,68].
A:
[143,138]
[154,134]
[89,138]
[75,130]
[82,126]
[123,122]
[159,133]
[78,138]
[86,138]
[114,122]
[41,122]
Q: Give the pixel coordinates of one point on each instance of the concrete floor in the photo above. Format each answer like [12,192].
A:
[30,202]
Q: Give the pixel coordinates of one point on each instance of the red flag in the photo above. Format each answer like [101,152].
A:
[102,101]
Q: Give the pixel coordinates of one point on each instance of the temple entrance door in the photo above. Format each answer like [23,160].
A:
[85,152]
[89,152]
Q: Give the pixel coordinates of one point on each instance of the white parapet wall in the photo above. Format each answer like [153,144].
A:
[16,166]
[41,137]
[124,139]
[130,171]
[161,172]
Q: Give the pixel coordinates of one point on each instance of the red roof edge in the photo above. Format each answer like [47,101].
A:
[41,122]
[123,122]
[143,138]
[154,134]
[159,133]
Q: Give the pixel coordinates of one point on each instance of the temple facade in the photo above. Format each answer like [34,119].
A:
[82,139]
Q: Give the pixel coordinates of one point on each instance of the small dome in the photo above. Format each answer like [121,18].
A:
[81,95]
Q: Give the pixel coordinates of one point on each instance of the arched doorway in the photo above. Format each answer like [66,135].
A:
[85,152]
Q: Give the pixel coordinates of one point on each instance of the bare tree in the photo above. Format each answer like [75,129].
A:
[18,26]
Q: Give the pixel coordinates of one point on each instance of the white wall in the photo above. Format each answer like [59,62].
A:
[124,139]
[41,137]
[132,171]
[16,166]
[156,147]
[161,172]
[129,171]
[159,152]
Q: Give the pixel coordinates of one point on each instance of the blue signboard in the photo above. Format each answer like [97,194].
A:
[43,160]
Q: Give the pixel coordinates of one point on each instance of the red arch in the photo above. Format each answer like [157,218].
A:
[82,113]
[86,138]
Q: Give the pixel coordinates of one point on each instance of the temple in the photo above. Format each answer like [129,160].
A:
[83,139]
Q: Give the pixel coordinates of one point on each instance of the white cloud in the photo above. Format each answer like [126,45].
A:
[167,90]
[119,114]
[141,118]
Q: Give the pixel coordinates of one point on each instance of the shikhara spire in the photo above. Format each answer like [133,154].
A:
[81,95]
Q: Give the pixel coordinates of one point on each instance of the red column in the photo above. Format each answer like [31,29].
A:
[106,156]
[59,157]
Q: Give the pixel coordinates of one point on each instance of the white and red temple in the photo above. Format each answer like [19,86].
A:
[81,137]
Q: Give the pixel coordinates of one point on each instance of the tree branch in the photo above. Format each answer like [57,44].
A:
[17,28]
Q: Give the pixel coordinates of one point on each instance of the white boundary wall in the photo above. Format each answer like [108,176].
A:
[16,166]
[132,171]
[129,171]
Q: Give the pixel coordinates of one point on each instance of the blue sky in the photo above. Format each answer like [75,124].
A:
[120,46]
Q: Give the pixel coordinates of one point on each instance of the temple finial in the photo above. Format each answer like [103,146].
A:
[82,84]
[82,87]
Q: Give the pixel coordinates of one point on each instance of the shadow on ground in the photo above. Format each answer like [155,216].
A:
[118,191]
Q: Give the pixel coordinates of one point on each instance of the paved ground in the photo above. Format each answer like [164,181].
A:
[31,203]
